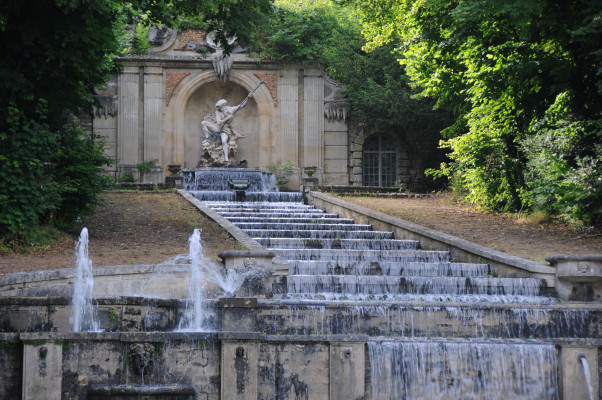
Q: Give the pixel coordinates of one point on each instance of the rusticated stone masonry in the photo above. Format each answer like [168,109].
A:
[173,79]
[270,81]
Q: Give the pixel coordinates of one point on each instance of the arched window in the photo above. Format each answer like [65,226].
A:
[380,161]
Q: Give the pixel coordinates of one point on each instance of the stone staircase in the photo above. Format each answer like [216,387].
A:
[334,258]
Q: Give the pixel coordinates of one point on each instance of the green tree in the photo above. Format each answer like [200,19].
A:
[499,66]
[325,32]
[54,53]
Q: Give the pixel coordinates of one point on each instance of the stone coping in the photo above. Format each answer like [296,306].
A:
[141,390]
[40,338]
[449,240]
[239,302]
[246,253]
[16,278]
[232,229]
[574,257]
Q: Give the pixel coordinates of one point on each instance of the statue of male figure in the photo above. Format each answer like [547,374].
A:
[221,124]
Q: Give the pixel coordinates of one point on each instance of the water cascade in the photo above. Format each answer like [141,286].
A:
[587,375]
[447,370]
[391,287]
[83,313]
[211,184]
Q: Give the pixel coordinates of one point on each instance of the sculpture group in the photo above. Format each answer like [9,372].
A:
[220,140]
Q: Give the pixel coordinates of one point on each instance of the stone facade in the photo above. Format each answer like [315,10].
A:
[416,148]
[152,111]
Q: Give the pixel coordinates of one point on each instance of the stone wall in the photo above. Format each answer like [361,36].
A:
[161,101]
[417,150]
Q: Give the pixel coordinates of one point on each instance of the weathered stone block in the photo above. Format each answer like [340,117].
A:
[347,371]
[239,370]
[42,371]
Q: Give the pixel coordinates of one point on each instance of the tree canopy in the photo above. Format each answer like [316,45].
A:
[54,53]
[524,81]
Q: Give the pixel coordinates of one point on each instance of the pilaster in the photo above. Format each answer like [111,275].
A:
[127,118]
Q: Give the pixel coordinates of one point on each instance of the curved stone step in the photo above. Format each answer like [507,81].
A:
[363,255]
[297,227]
[318,234]
[348,244]
[389,268]
[378,285]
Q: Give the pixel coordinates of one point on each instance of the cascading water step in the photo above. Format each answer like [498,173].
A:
[347,244]
[276,214]
[385,285]
[363,255]
[222,196]
[289,220]
[389,268]
[318,234]
[259,206]
[334,258]
[302,226]
[462,370]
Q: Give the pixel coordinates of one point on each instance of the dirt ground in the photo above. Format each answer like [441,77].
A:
[131,228]
[140,228]
[521,237]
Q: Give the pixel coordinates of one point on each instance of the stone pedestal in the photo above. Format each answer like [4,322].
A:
[578,276]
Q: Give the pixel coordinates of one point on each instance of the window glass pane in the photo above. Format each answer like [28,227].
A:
[380,161]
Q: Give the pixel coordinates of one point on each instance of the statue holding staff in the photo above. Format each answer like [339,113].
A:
[216,126]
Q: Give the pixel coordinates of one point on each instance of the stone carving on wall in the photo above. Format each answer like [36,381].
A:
[337,110]
[108,106]
[336,107]
[222,63]
[160,38]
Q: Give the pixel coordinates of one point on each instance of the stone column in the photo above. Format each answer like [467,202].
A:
[347,370]
[313,120]
[127,118]
[288,104]
[573,380]
[153,118]
[42,371]
[239,370]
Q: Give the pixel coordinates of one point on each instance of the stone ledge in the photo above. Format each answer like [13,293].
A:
[141,390]
[237,302]
[450,242]
[232,229]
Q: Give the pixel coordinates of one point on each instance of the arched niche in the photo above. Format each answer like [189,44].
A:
[246,120]
[197,98]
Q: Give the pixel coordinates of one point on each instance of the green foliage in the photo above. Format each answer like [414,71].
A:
[45,175]
[323,31]
[282,173]
[564,167]
[499,66]
[140,39]
[127,178]
[144,168]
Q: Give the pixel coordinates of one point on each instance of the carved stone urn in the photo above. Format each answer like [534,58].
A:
[174,169]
